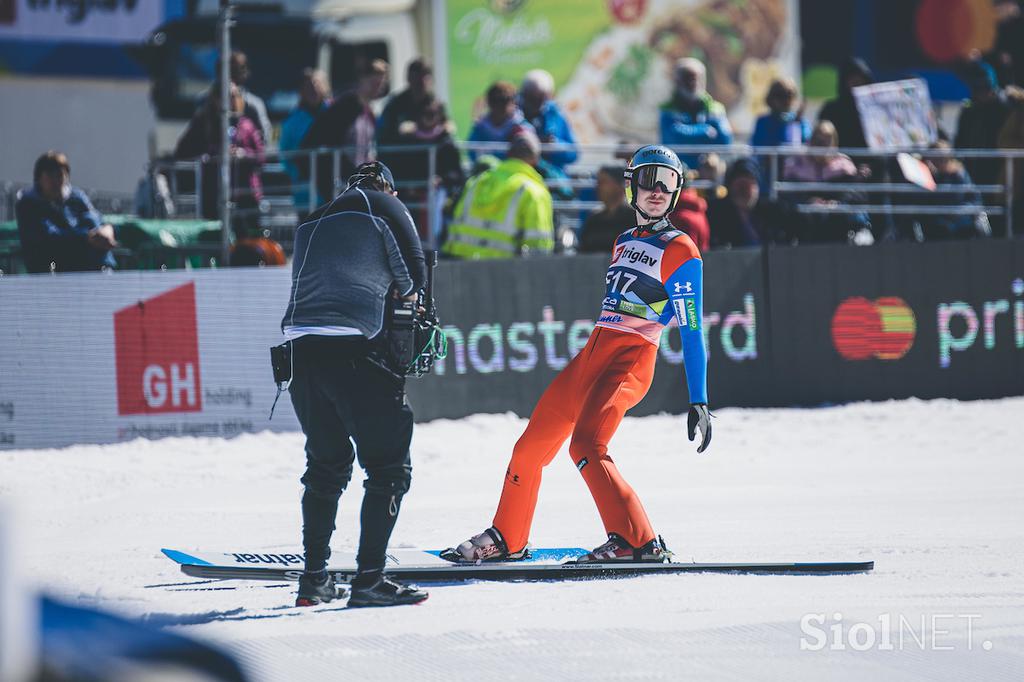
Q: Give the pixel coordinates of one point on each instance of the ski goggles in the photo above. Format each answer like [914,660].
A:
[649,177]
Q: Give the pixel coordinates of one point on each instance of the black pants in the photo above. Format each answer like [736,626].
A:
[341,397]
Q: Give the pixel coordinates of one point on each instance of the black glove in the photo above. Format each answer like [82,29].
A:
[699,418]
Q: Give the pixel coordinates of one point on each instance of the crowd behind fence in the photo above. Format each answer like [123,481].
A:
[175,190]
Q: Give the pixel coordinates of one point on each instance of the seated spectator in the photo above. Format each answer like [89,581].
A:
[404,108]
[1011,136]
[981,119]
[947,170]
[711,168]
[830,167]
[59,229]
[201,140]
[505,212]
[782,126]
[348,123]
[430,129]
[255,109]
[502,121]
[842,111]
[692,116]
[314,98]
[600,229]
[691,216]
[743,217]
[539,108]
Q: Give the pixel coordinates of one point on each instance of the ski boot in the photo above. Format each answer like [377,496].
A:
[617,549]
[373,588]
[487,546]
[317,589]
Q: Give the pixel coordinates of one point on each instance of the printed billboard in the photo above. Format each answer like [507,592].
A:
[612,60]
[111,357]
[111,21]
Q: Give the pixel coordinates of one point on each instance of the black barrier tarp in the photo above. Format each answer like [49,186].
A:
[806,325]
[513,325]
[956,348]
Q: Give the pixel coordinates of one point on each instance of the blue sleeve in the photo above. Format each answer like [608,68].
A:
[759,138]
[685,290]
[87,217]
[560,130]
[721,124]
[677,132]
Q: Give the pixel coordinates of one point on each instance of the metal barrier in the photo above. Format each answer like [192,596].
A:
[286,174]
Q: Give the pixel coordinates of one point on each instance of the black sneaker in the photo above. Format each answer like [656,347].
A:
[313,590]
[383,592]
[617,549]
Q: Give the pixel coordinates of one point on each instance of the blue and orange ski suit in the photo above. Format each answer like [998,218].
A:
[656,274]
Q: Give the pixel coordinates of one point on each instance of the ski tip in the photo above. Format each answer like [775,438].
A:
[183,558]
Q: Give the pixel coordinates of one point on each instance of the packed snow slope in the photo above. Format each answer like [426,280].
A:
[932,491]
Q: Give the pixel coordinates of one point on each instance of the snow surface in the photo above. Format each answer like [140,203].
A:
[932,491]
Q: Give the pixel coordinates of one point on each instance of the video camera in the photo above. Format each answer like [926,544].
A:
[413,338]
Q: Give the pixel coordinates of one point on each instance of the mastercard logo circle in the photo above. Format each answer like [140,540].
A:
[883,329]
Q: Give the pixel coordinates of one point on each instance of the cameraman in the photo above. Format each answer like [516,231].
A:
[353,257]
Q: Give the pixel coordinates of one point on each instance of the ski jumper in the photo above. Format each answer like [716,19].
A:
[655,275]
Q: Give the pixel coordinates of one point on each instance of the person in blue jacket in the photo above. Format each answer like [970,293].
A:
[59,229]
[535,100]
[501,123]
[782,126]
[692,116]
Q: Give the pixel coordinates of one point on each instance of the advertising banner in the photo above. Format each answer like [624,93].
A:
[99,358]
[897,321]
[612,60]
[111,21]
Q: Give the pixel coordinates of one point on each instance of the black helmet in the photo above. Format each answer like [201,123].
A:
[373,174]
[654,157]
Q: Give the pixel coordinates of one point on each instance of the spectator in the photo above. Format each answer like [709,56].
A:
[842,111]
[830,167]
[981,119]
[201,140]
[502,121]
[600,229]
[314,98]
[692,116]
[1011,136]
[949,171]
[711,168]
[348,123]
[255,109]
[431,128]
[743,217]
[781,126]
[406,106]
[59,229]
[539,108]
[691,216]
[505,212]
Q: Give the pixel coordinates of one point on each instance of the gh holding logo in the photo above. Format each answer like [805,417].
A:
[157,346]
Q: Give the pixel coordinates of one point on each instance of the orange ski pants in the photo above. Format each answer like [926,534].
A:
[587,400]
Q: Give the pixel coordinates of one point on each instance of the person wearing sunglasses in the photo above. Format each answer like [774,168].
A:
[655,276]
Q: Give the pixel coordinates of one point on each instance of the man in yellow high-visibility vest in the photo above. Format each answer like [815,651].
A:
[505,212]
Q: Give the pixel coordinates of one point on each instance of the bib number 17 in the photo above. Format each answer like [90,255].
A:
[619,278]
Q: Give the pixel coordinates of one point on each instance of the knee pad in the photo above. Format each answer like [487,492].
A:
[327,483]
[389,481]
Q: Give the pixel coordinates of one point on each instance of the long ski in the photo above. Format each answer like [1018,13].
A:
[420,566]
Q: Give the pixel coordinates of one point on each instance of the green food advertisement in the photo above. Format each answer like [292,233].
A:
[612,60]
